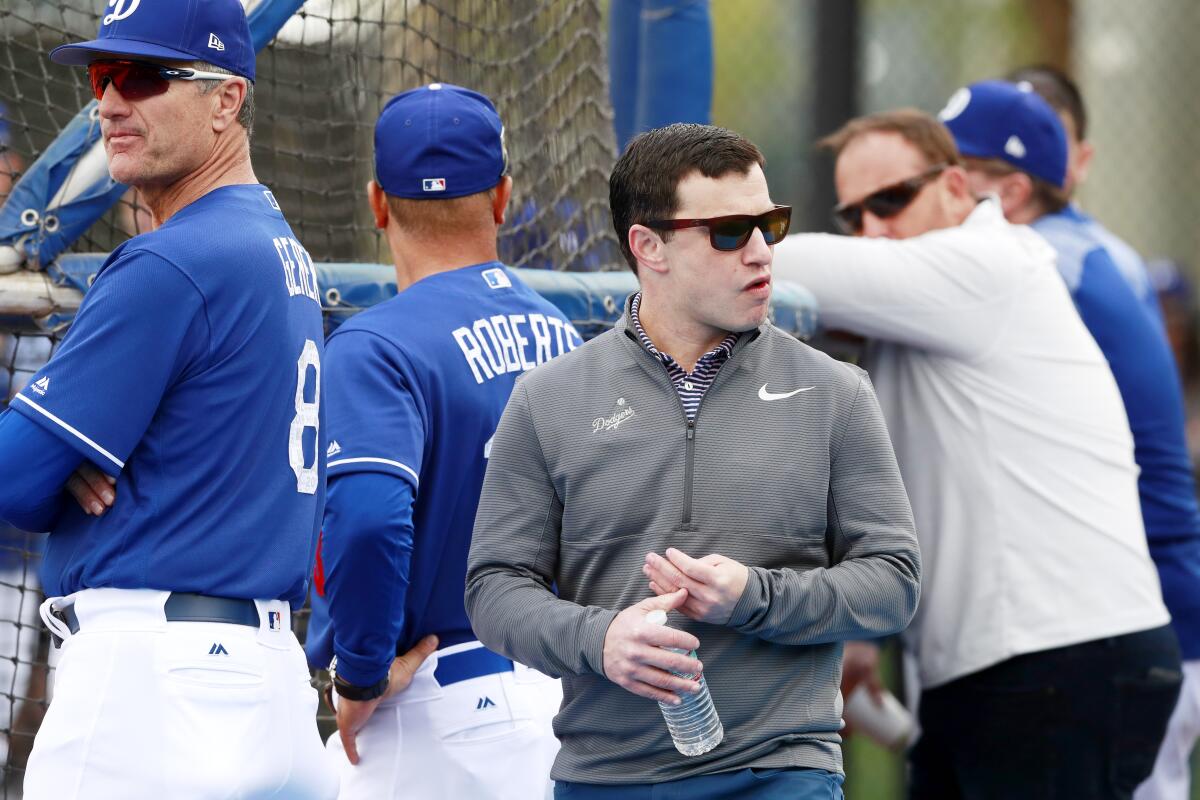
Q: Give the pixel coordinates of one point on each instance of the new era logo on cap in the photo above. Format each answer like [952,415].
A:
[215,43]
[434,184]
[1015,147]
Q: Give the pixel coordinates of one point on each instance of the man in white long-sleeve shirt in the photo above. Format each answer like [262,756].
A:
[1043,654]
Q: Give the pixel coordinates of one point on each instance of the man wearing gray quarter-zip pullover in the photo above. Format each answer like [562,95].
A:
[693,427]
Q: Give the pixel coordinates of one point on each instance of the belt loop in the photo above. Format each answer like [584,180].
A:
[274,623]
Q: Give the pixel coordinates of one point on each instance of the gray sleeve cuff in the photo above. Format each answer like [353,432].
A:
[594,629]
[753,603]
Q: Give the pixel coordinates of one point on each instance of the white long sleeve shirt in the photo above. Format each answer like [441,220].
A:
[1010,433]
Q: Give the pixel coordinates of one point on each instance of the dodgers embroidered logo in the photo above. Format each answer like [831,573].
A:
[120,12]
[623,412]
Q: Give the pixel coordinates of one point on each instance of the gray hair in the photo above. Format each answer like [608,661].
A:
[246,112]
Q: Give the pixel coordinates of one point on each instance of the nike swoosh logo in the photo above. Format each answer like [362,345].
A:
[763,394]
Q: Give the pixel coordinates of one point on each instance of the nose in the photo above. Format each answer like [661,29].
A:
[112,104]
[756,252]
[874,227]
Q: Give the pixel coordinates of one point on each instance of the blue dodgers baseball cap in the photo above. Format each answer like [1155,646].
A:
[174,30]
[997,119]
[437,142]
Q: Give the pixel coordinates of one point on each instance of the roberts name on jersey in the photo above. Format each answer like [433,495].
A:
[499,344]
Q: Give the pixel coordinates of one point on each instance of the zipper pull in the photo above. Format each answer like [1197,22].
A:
[691,429]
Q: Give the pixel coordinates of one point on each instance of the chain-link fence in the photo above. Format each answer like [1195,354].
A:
[787,71]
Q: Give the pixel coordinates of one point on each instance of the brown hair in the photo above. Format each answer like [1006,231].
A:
[1049,198]
[919,129]
[643,184]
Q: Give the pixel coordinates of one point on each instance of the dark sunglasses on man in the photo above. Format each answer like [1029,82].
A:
[884,203]
[136,80]
[732,232]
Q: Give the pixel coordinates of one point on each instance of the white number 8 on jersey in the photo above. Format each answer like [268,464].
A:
[307,416]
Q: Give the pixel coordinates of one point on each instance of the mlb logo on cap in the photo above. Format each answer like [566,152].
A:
[434,185]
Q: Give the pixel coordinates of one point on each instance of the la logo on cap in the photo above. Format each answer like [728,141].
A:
[120,11]
[434,184]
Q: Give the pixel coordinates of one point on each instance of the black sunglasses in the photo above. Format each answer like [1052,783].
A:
[731,232]
[883,203]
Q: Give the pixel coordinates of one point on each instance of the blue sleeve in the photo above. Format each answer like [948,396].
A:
[376,414]
[366,547]
[34,466]
[140,326]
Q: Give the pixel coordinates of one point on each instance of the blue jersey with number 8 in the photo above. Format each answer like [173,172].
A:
[192,373]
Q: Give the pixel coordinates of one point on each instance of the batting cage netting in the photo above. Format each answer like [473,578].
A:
[326,72]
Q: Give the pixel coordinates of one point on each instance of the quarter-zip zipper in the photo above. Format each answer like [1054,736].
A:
[689,457]
[688,467]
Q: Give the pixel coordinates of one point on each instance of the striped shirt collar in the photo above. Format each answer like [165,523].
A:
[713,358]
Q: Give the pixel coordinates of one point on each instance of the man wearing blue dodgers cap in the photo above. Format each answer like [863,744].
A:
[1046,664]
[1131,337]
[416,386]
[183,412]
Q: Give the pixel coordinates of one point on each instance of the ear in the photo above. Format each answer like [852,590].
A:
[648,248]
[228,99]
[500,201]
[1016,192]
[956,182]
[1083,162]
[377,199]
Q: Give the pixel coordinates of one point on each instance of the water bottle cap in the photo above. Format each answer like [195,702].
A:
[656,617]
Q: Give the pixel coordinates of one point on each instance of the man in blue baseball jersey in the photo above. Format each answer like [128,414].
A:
[416,386]
[1017,147]
[191,380]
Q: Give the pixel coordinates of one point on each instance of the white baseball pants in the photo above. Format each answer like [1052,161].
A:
[146,708]
[484,738]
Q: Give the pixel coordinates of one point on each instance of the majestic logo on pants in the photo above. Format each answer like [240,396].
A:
[120,12]
[218,649]
[484,702]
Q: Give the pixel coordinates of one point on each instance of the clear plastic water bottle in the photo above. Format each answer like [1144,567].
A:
[694,725]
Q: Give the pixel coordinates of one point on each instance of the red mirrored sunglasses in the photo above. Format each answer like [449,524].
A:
[136,80]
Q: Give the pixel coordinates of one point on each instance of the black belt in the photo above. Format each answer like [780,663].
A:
[187,607]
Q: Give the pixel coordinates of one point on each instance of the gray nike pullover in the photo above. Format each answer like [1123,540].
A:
[594,464]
